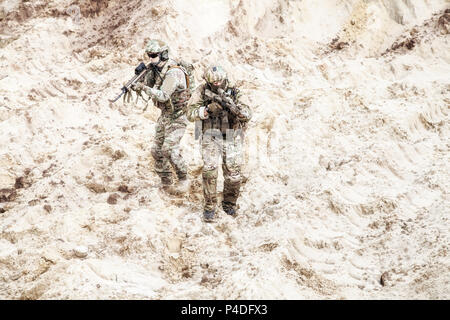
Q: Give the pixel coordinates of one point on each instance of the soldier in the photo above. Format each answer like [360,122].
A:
[223,118]
[167,84]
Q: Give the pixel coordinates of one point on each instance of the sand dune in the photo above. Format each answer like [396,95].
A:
[347,154]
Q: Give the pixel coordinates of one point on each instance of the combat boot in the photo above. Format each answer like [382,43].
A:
[208,215]
[166,183]
[178,189]
[181,187]
[229,208]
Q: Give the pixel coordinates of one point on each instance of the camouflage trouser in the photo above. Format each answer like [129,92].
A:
[215,147]
[166,149]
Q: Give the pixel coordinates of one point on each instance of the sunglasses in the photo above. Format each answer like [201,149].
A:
[152,55]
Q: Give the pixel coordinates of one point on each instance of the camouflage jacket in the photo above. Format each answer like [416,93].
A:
[223,120]
[168,89]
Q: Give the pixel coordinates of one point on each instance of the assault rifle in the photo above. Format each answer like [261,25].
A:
[224,99]
[140,71]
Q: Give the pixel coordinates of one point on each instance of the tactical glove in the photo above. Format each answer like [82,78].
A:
[214,108]
[137,86]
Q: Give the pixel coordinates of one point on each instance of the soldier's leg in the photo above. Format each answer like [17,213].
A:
[171,150]
[211,150]
[232,159]
[162,165]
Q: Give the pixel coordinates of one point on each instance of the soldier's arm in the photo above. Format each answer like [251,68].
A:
[244,113]
[174,79]
[196,110]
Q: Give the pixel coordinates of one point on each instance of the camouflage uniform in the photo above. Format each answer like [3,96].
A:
[221,137]
[168,88]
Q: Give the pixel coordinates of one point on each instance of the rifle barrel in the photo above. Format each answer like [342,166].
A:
[127,86]
[124,90]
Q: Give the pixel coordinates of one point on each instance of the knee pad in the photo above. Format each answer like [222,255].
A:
[210,172]
[233,179]
[156,153]
[166,151]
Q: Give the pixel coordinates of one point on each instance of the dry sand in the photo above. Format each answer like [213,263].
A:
[347,155]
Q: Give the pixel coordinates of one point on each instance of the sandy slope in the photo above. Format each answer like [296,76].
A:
[347,153]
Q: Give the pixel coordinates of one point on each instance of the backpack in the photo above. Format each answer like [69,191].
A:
[188,70]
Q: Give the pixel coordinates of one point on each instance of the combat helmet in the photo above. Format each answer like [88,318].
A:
[157,46]
[214,74]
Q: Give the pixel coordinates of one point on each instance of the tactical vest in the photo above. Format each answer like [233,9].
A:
[224,119]
[176,104]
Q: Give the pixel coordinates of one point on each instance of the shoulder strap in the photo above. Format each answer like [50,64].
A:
[184,71]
